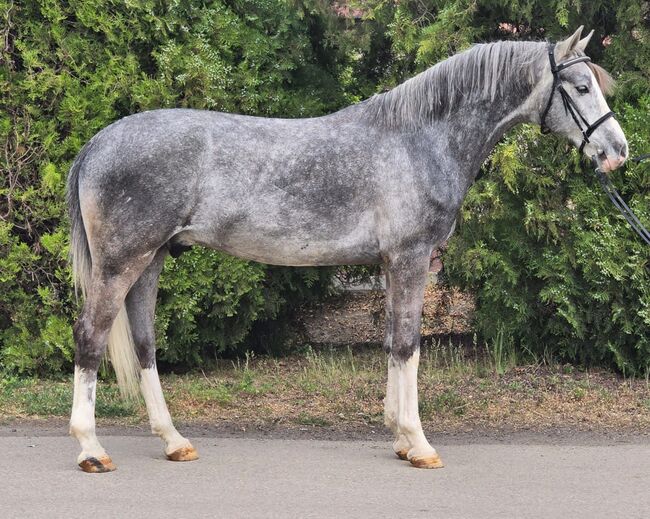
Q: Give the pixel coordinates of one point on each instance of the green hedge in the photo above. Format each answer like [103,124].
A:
[554,268]
[69,69]
[556,271]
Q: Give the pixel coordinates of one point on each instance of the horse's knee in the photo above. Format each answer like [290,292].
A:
[403,351]
[405,340]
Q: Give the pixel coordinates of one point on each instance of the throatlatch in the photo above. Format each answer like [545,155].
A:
[569,104]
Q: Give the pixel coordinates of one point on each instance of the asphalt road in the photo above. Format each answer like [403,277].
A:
[269,478]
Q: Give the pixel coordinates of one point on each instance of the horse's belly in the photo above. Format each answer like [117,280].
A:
[352,241]
[303,253]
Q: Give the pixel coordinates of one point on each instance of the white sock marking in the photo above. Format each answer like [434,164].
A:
[159,417]
[391,408]
[82,419]
[408,416]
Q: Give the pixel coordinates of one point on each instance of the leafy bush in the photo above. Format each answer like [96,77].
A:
[553,266]
[556,270]
[68,69]
[210,302]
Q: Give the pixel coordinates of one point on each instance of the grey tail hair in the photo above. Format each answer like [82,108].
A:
[121,348]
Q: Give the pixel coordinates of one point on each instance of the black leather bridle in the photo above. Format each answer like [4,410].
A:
[569,104]
[587,129]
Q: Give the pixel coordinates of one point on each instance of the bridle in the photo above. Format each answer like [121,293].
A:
[587,129]
[569,104]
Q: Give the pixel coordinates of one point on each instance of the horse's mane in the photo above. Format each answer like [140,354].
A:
[481,72]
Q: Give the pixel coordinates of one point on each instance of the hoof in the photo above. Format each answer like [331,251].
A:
[427,462]
[402,454]
[97,465]
[184,454]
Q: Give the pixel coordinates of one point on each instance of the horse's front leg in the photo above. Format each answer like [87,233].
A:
[401,445]
[406,280]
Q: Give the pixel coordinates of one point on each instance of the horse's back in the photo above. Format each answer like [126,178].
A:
[240,183]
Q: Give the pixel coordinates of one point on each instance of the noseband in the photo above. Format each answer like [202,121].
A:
[569,104]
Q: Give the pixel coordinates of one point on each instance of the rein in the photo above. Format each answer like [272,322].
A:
[570,106]
[618,201]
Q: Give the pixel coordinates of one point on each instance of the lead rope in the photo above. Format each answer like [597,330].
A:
[618,201]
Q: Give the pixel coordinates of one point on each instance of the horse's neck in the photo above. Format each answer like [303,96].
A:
[476,126]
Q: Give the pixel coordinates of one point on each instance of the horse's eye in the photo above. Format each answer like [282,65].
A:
[582,89]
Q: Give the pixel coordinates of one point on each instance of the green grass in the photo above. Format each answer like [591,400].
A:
[458,388]
[203,390]
[54,398]
[447,402]
[502,353]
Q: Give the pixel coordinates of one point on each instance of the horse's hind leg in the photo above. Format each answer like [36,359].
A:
[140,306]
[407,274]
[104,299]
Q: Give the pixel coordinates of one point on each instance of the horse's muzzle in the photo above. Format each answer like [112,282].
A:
[610,161]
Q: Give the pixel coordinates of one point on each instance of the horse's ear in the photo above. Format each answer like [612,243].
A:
[582,44]
[563,48]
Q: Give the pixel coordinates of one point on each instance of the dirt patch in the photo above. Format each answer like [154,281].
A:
[354,318]
[551,436]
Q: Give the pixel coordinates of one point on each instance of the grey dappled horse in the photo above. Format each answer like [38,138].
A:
[378,182]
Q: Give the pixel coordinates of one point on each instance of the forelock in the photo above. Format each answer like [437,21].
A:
[603,78]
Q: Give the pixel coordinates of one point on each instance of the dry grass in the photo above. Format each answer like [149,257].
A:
[345,389]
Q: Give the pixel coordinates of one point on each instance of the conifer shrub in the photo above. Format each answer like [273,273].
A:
[67,70]
[555,269]
[554,265]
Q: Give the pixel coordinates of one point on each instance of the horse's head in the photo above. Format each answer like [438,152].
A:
[575,105]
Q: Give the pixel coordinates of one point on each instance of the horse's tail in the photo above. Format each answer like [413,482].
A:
[121,348]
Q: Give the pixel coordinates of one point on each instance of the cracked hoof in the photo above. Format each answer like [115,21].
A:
[427,462]
[402,454]
[97,465]
[184,454]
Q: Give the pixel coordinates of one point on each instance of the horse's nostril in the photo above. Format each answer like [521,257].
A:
[623,151]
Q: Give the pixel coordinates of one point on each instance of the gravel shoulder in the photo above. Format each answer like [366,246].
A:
[557,436]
